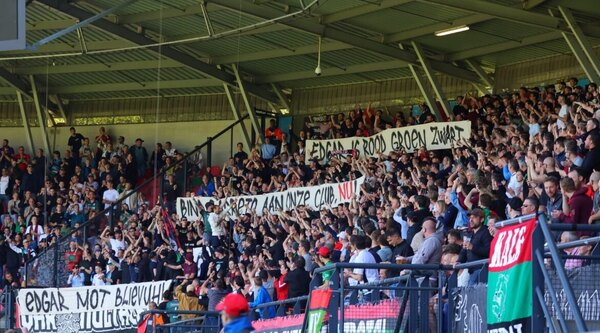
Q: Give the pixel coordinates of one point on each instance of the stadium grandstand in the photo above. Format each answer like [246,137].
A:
[299,166]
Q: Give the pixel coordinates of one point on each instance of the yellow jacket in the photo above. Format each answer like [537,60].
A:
[187,303]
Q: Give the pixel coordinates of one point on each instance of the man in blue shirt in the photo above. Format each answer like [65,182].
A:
[77,278]
[462,218]
[261,296]
[268,150]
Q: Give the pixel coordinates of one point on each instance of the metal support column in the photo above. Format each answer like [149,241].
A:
[423,87]
[43,123]
[480,88]
[584,43]
[273,108]
[209,142]
[581,58]
[81,24]
[432,79]
[61,110]
[237,115]
[485,78]
[25,122]
[282,99]
[579,54]
[249,108]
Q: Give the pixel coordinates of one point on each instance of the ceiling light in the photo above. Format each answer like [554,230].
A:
[452,30]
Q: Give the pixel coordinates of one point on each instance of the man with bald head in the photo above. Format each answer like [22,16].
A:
[430,251]
[549,165]
[548,169]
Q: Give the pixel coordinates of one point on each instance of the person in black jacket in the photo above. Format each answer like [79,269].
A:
[29,181]
[13,260]
[298,279]
[478,246]
[399,246]
[591,161]
[3,253]
[161,267]
[416,217]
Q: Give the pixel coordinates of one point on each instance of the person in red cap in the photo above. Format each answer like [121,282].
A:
[234,314]
[324,259]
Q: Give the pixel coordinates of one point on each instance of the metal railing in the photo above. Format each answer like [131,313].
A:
[408,298]
[203,321]
[558,266]
[284,307]
[411,293]
[8,298]
[290,306]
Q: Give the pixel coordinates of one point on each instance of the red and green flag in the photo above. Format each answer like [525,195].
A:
[317,309]
[510,291]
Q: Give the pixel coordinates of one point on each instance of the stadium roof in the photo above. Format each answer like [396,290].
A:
[275,43]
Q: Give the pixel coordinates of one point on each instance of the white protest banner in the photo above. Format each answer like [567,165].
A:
[432,136]
[314,197]
[86,309]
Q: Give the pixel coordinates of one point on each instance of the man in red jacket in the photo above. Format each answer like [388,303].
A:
[281,287]
[273,131]
[578,206]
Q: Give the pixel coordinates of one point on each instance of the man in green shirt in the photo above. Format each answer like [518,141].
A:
[324,259]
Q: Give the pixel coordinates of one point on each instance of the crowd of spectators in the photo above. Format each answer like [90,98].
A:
[45,198]
[535,150]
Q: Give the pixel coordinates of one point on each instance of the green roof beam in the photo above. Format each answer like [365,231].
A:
[423,87]
[371,7]
[345,37]
[504,46]
[97,67]
[167,13]
[125,86]
[332,71]
[433,80]
[503,12]
[583,41]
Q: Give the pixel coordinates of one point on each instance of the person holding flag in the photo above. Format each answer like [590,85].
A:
[173,240]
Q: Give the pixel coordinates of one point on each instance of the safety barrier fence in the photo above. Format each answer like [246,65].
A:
[428,298]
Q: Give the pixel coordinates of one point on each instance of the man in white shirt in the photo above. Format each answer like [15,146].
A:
[218,224]
[512,189]
[398,217]
[99,278]
[117,243]
[562,114]
[110,196]
[169,150]
[362,256]
[4,188]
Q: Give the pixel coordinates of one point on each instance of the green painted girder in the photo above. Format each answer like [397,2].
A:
[344,37]
[503,12]
[166,51]
[504,46]
[166,13]
[332,71]
[361,10]
[124,86]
